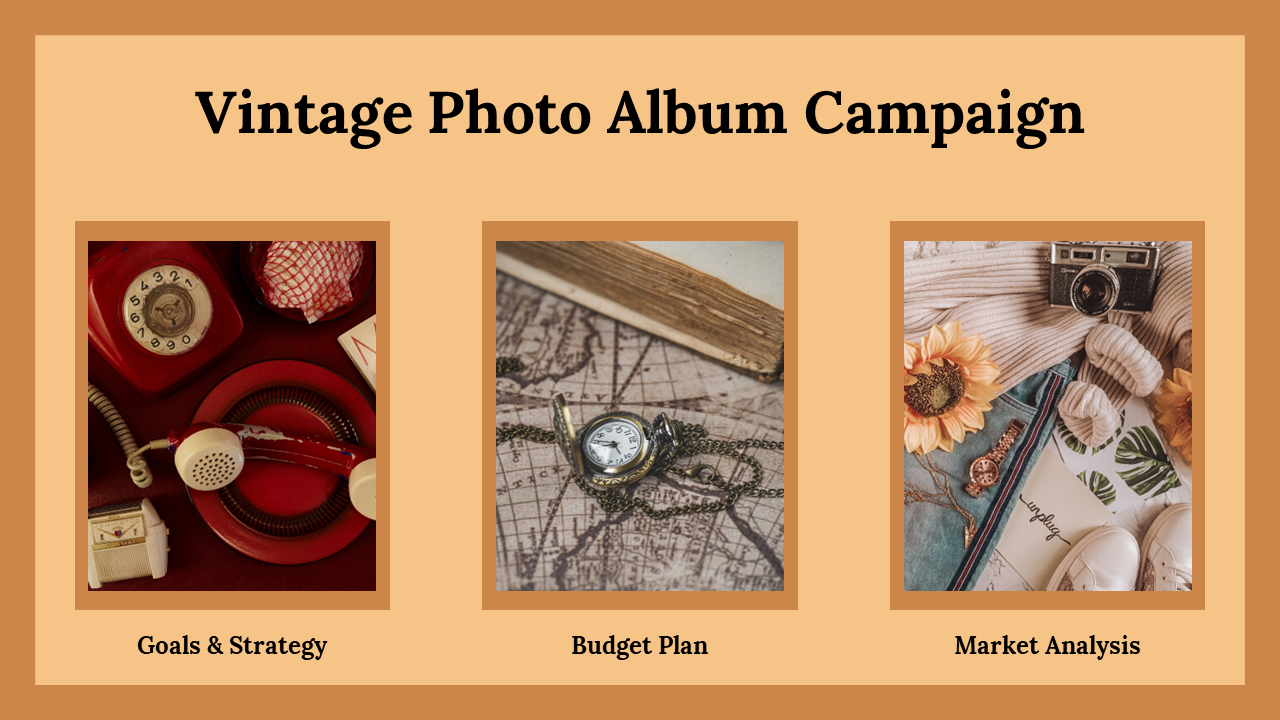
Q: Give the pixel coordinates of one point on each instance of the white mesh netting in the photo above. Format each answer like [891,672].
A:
[313,277]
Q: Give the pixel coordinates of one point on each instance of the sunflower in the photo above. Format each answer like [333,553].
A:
[1173,411]
[948,382]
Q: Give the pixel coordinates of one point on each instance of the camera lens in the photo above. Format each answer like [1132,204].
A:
[1094,290]
[1092,294]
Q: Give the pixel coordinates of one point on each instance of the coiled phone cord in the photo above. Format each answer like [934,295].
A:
[138,470]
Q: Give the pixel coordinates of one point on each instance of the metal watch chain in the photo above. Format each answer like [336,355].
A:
[692,440]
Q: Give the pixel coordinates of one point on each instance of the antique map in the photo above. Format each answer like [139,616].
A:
[553,537]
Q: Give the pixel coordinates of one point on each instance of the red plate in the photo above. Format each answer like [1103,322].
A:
[360,285]
[276,512]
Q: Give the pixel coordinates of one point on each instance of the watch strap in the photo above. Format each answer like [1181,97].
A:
[1011,434]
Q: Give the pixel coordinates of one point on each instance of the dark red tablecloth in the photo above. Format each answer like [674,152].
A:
[198,559]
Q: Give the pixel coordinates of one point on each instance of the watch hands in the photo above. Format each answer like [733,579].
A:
[612,445]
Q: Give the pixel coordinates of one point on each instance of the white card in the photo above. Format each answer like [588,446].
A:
[1054,511]
[361,344]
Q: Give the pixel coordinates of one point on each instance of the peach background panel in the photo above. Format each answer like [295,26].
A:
[121,136]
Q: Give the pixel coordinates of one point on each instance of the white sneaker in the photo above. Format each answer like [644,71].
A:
[1105,559]
[1166,551]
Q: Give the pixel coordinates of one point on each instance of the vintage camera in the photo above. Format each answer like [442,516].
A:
[1097,278]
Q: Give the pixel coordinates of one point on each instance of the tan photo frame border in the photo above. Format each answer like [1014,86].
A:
[214,231]
[1064,231]
[785,599]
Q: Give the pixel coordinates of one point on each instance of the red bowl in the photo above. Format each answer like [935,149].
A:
[277,512]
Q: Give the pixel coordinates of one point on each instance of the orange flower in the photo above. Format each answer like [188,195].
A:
[1173,411]
[948,382]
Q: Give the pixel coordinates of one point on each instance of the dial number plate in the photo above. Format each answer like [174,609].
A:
[613,443]
[116,531]
[616,448]
[167,309]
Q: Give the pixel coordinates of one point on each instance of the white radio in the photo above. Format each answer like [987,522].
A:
[128,540]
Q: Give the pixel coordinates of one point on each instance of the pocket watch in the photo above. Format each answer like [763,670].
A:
[985,471]
[616,448]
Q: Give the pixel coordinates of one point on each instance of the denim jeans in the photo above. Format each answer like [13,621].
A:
[935,556]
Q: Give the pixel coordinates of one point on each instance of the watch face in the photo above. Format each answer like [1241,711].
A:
[613,443]
[617,448]
[167,309]
[984,472]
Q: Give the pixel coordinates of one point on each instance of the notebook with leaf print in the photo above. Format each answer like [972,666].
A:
[1132,466]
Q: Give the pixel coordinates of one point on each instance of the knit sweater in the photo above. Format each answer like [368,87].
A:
[1001,294]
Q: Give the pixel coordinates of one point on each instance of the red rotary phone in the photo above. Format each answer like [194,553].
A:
[211,455]
[160,313]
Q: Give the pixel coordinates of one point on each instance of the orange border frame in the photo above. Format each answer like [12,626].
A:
[788,597]
[1256,21]
[900,599]
[213,231]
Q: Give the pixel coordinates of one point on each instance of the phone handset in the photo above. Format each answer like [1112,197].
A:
[211,455]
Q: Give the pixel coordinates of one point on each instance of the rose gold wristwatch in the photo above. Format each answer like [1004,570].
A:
[985,471]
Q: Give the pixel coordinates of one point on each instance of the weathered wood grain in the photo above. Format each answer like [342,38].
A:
[658,295]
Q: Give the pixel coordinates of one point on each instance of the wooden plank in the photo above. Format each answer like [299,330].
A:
[657,295]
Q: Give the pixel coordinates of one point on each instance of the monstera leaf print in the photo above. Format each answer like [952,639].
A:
[1069,439]
[1077,446]
[1099,485]
[1152,473]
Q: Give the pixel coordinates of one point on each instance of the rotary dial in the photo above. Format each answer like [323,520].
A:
[613,443]
[167,309]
